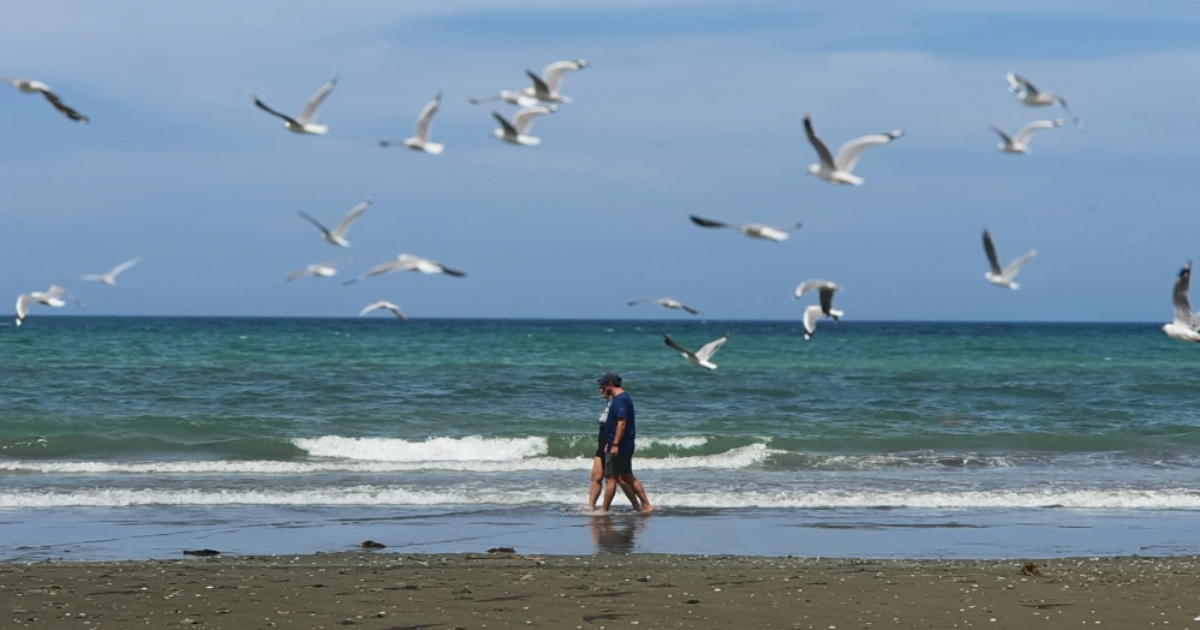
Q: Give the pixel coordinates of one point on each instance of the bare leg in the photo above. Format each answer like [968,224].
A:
[597,477]
[639,490]
[630,494]
[610,491]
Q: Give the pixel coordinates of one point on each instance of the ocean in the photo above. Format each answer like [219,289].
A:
[131,437]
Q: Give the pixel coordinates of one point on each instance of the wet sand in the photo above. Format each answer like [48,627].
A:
[382,590]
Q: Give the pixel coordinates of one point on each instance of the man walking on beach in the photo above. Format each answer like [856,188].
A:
[620,429]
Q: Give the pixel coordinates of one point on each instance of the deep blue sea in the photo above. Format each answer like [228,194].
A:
[133,437]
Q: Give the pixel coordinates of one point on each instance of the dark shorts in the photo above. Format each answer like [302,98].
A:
[600,444]
[619,464]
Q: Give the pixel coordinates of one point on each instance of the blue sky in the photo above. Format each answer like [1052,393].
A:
[686,108]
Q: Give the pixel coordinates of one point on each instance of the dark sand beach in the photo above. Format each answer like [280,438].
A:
[382,590]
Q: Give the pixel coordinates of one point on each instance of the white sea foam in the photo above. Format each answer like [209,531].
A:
[437,449]
[453,459]
[686,441]
[389,496]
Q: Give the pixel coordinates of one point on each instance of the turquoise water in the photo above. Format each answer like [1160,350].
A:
[920,418]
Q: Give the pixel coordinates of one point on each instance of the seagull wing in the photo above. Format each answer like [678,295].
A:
[707,350]
[554,72]
[298,274]
[523,119]
[1003,135]
[539,86]
[689,309]
[263,106]
[387,267]
[822,151]
[1016,83]
[1015,266]
[1078,123]
[810,285]
[708,222]
[1183,306]
[1028,130]
[67,111]
[314,102]
[850,152]
[642,301]
[425,119]
[811,315]
[990,248]
[674,346]
[324,230]
[23,302]
[344,225]
[123,266]
[509,130]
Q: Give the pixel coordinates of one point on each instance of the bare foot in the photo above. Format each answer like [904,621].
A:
[647,508]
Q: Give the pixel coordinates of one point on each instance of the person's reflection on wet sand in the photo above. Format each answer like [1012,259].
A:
[617,534]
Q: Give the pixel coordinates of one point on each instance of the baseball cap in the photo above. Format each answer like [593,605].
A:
[610,378]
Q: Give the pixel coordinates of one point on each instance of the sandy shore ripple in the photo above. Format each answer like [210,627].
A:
[507,590]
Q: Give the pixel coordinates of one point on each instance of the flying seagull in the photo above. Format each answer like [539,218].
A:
[383,304]
[666,302]
[32,86]
[815,312]
[306,122]
[324,270]
[1003,277]
[1028,94]
[420,140]
[839,170]
[1186,322]
[407,262]
[1020,144]
[515,133]
[337,236]
[110,276]
[753,230]
[508,96]
[702,356]
[545,88]
[50,297]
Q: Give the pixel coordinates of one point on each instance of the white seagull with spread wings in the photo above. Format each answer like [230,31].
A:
[306,122]
[109,277]
[1028,94]
[337,236]
[50,297]
[517,131]
[702,356]
[667,303]
[753,230]
[839,170]
[407,262]
[1020,142]
[508,96]
[545,88]
[1003,277]
[385,305]
[420,140]
[816,312]
[1186,322]
[31,86]
[322,270]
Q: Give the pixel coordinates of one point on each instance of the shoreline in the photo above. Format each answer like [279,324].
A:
[382,589]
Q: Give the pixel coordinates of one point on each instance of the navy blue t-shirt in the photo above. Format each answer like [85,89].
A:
[621,407]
